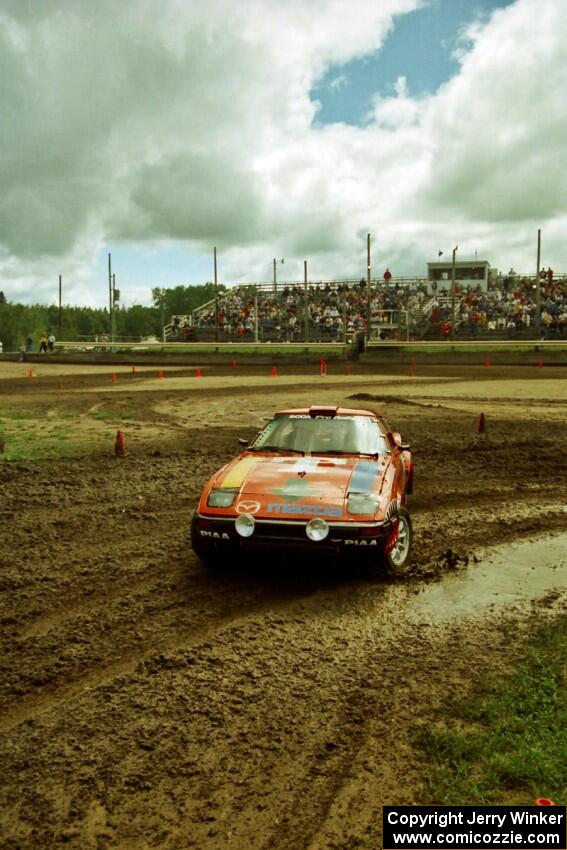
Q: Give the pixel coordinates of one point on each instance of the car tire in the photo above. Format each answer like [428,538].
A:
[396,560]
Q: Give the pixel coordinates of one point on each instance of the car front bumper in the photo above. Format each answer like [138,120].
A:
[221,531]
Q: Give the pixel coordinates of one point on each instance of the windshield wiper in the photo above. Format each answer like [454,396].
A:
[375,455]
[275,449]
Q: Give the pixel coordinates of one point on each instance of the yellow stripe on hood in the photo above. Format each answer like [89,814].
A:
[235,476]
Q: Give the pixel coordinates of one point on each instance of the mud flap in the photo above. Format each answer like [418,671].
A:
[391,540]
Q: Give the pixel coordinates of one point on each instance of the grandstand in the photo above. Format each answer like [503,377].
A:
[400,309]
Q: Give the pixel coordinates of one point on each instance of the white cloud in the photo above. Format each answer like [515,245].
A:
[399,111]
[338,83]
[195,124]
[498,125]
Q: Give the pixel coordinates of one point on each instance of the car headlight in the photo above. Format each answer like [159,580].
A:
[317,529]
[222,497]
[245,525]
[359,503]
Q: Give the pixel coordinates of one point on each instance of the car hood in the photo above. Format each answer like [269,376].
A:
[293,486]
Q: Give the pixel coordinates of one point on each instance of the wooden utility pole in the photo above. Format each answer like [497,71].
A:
[60,304]
[453,295]
[368,278]
[110,305]
[256,314]
[216,298]
[306,298]
[113,304]
[538,287]
[162,313]
[275,275]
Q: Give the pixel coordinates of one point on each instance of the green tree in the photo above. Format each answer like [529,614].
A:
[182,300]
[19,321]
[137,322]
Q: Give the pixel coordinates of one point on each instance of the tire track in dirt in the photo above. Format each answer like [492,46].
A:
[149,577]
[271,602]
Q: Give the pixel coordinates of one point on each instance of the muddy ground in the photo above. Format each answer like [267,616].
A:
[150,703]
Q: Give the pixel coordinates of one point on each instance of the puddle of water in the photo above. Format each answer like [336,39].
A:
[512,575]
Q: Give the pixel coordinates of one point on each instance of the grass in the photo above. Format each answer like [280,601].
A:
[29,435]
[114,417]
[15,415]
[31,445]
[511,742]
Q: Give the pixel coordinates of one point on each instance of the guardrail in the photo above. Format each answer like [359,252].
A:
[179,346]
[289,346]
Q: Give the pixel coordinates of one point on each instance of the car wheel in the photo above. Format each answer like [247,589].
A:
[397,558]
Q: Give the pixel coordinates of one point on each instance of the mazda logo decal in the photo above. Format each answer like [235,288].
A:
[247,507]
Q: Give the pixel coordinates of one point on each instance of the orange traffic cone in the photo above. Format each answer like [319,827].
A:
[30,373]
[120,449]
[133,370]
[323,367]
[486,362]
[114,378]
[160,375]
[540,363]
[274,372]
[480,425]
[198,373]
[234,364]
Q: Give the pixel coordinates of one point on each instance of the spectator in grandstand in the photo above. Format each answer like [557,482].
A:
[334,309]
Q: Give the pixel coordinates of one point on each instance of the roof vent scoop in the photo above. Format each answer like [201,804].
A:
[331,412]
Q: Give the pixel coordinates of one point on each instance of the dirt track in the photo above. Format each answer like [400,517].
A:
[148,703]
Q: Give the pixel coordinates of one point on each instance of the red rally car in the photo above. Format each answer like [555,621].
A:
[318,479]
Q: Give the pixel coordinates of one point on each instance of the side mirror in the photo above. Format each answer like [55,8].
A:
[243,442]
[395,439]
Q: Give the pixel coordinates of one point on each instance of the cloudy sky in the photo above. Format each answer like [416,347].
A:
[275,128]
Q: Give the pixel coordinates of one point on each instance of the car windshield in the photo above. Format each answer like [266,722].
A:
[322,435]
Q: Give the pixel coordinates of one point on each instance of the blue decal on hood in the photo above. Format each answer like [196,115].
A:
[363,477]
[293,490]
